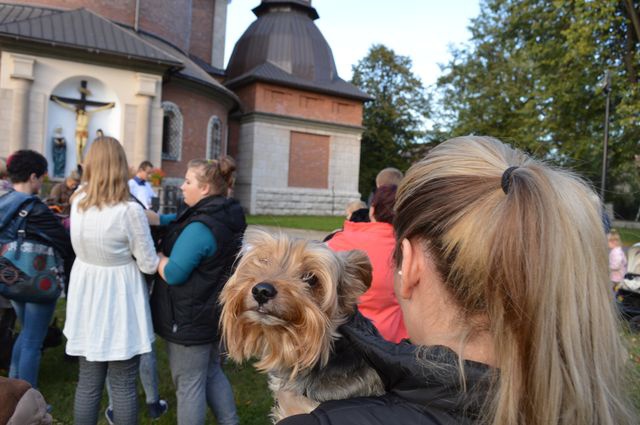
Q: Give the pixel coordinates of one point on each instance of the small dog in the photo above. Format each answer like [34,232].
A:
[283,305]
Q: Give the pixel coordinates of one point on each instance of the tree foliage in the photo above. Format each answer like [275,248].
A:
[530,74]
[394,120]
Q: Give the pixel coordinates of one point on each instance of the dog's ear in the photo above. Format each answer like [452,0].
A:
[355,280]
[254,237]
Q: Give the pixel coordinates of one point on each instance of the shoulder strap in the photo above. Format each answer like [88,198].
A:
[10,204]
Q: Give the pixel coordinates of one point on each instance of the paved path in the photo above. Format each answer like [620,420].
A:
[297,233]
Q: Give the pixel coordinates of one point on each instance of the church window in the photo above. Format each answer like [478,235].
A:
[171,131]
[214,138]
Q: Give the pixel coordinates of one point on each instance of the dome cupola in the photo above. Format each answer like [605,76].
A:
[284,46]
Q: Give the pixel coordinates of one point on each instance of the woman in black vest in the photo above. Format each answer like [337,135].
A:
[197,254]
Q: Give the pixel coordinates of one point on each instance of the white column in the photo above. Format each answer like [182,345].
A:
[22,74]
[141,146]
[146,91]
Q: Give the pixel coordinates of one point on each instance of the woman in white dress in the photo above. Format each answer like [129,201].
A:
[108,321]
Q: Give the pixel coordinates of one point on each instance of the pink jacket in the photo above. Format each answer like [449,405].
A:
[379,303]
[617,265]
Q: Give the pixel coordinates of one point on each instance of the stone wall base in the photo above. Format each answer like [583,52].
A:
[292,201]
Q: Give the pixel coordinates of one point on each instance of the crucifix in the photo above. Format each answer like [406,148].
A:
[79,106]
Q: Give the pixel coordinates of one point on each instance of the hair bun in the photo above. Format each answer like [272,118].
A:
[227,167]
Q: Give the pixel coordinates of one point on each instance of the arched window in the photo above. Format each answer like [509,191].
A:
[171,132]
[214,138]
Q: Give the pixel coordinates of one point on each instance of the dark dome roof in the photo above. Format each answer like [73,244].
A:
[284,46]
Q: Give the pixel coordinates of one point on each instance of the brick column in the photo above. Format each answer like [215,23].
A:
[22,74]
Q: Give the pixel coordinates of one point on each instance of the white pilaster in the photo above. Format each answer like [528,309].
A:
[22,74]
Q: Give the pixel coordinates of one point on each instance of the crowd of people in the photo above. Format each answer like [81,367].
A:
[110,317]
[490,302]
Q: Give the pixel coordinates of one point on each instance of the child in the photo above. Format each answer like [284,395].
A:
[617,259]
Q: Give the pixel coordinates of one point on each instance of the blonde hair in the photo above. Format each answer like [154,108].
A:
[614,236]
[354,206]
[105,174]
[388,176]
[532,258]
[217,173]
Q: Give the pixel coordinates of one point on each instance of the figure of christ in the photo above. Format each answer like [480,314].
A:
[82,123]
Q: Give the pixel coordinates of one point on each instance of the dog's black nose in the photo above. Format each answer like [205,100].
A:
[263,292]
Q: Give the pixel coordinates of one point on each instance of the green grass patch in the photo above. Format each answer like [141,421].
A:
[632,340]
[310,222]
[629,236]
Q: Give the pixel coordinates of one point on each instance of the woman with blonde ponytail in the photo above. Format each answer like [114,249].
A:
[503,282]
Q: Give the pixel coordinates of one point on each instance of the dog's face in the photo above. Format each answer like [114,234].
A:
[286,299]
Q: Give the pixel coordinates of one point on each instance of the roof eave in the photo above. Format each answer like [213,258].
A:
[246,80]
[38,46]
[233,99]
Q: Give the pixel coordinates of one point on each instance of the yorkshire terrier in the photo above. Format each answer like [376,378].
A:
[283,305]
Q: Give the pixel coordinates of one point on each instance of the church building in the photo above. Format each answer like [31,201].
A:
[151,74]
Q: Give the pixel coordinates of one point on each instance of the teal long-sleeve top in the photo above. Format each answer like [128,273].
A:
[195,243]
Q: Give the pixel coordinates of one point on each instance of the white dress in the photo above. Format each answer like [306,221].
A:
[108,314]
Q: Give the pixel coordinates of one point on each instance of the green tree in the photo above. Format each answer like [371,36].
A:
[529,75]
[394,120]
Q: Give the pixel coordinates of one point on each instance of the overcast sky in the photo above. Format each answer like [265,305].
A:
[420,29]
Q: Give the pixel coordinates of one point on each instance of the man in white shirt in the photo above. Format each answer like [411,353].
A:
[139,185]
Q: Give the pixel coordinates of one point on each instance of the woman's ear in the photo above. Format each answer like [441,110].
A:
[411,267]
[205,189]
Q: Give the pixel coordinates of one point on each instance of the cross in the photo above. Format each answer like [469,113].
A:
[82,102]
[78,106]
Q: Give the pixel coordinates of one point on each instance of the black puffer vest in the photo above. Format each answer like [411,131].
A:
[187,314]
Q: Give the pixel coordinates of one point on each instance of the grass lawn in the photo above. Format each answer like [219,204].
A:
[309,222]
[629,236]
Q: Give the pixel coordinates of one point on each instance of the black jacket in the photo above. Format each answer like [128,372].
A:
[428,392]
[187,314]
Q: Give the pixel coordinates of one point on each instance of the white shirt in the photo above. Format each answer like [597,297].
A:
[108,314]
[143,193]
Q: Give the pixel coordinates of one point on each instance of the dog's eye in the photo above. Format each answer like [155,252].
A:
[310,279]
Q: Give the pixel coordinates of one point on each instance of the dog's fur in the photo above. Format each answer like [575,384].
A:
[294,332]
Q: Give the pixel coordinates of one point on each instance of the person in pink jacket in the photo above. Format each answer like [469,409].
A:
[617,259]
[379,303]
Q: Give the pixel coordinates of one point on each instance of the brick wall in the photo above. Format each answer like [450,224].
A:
[201,29]
[308,160]
[171,20]
[196,110]
[280,100]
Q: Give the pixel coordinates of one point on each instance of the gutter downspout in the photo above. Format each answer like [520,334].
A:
[137,16]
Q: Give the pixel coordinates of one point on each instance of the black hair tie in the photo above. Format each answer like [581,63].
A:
[506,179]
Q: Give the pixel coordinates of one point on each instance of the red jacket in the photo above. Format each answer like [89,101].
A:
[379,303]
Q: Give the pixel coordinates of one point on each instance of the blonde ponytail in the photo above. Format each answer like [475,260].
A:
[522,243]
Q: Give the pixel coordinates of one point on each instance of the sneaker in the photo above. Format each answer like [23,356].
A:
[158,408]
[109,415]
